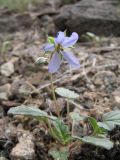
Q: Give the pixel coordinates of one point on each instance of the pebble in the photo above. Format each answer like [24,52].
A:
[116,96]
[3,96]
[7,69]
[24,150]
[104,78]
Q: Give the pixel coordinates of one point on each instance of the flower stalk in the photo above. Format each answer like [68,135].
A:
[54,96]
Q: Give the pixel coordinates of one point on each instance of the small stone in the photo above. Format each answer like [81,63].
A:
[3,158]
[11,131]
[6,88]
[24,150]
[3,96]
[116,95]
[5,91]
[7,69]
[25,90]
[104,78]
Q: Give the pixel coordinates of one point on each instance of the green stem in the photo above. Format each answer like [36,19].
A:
[54,97]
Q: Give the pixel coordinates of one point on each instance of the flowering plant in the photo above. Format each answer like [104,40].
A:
[65,133]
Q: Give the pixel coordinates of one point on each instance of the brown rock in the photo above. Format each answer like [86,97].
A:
[24,150]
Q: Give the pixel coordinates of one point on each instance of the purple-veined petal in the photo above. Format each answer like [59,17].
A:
[49,47]
[70,41]
[72,60]
[54,64]
[60,37]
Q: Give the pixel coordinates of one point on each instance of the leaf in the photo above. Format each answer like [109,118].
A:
[106,125]
[101,142]
[111,119]
[95,126]
[63,154]
[51,40]
[29,111]
[66,93]
[60,131]
[41,60]
[76,116]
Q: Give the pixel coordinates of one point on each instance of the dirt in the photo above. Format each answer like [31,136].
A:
[97,82]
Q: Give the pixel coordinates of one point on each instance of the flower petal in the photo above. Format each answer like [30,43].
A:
[48,47]
[60,37]
[54,63]
[70,41]
[72,60]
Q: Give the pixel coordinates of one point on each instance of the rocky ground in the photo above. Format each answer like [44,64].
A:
[23,82]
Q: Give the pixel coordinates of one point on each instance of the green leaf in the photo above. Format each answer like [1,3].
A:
[29,111]
[76,116]
[60,131]
[111,119]
[63,154]
[101,142]
[66,93]
[95,126]
[51,40]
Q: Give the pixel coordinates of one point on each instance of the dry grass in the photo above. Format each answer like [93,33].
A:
[19,5]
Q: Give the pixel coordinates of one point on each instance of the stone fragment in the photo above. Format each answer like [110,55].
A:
[24,150]
[97,16]
[104,78]
[7,69]
[3,96]
[5,91]
[3,158]
[116,96]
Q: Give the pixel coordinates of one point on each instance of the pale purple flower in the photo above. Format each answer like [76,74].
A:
[58,48]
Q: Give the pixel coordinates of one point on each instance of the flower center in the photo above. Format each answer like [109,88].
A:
[59,48]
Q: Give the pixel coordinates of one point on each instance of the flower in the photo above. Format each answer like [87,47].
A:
[58,48]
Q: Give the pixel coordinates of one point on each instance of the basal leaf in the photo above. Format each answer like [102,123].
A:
[66,93]
[101,142]
[28,111]
[60,131]
[111,119]
[76,116]
[95,126]
[63,154]
[106,126]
